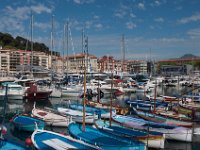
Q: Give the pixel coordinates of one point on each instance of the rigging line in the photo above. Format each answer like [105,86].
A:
[70,34]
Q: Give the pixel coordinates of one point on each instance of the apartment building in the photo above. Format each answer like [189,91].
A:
[13,61]
[137,66]
[4,62]
[76,63]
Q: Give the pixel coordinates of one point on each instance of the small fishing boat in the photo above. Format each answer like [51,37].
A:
[103,113]
[100,105]
[191,109]
[161,119]
[94,136]
[48,140]
[172,132]
[151,139]
[27,123]
[51,118]
[77,115]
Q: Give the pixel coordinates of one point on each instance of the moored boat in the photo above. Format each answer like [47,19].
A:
[171,131]
[151,139]
[27,123]
[104,141]
[103,113]
[43,139]
[36,93]
[51,118]
[77,115]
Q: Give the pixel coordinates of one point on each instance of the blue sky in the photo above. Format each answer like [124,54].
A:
[153,29]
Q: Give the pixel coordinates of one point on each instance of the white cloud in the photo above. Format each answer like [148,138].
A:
[193,18]
[21,13]
[40,9]
[130,25]
[120,13]
[42,26]
[99,26]
[83,1]
[96,17]
[132,15]
[160,19]
[141,6]
[157,3]
[194,33]
[179,8]
[88,24]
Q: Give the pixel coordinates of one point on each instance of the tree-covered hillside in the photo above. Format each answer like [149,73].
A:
[7,41]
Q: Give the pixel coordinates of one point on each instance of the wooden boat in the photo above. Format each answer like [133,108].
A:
[191,109]
[145,105]
[51,118]
[103,113]
[27,123]
[151,139]
[171,131]
[119,110]
[43,139]
[161,119]
[77,115]
[104,141]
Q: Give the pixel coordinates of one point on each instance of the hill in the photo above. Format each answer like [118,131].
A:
[7,41]
[188,56]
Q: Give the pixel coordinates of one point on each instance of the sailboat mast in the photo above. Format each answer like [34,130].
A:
[5,102]
[67,45]
[64,37]
[123,52]
[111,99]
[52,44]
[84,83]
[31,45]
[155,94]
[84,99]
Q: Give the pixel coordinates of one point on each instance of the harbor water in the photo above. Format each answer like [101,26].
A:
[26,107]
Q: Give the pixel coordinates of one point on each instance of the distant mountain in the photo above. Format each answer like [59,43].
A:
[188,56]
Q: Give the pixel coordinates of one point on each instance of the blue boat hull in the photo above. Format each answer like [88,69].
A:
[48,140]
[96,137]
[27,123]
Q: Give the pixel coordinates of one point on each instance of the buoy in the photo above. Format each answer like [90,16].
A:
[63,133]
[28,141]
[4,130]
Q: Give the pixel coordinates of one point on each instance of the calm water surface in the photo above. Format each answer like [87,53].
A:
[26,107]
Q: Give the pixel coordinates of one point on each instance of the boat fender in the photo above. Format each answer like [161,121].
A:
[28,141]
[3,130]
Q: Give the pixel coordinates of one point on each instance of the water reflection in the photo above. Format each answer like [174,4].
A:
[26,107]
